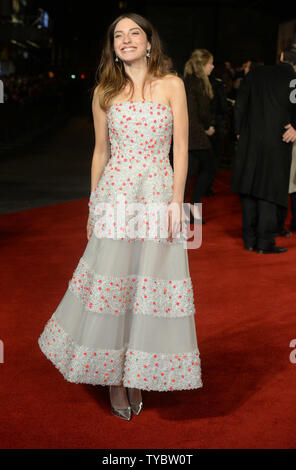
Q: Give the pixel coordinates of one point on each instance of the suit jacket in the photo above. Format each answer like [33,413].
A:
[219,104]
[261,166]
[199,113]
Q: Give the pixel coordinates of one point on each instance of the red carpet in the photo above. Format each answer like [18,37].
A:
[246,318]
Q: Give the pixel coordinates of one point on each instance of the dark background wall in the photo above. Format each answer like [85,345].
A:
[231,30]
[230,33]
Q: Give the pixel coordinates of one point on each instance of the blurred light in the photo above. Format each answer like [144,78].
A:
[16,20]
[16,5]
[82,76]
[44,19]
[33,44]
[26,55]
[73,75]
[50,74]
[122,5]
[18,43]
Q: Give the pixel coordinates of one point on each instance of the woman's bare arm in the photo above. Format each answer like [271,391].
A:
[177,98]
[178,104]
[101,152]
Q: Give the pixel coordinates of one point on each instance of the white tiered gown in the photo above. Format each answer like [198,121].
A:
[128,311]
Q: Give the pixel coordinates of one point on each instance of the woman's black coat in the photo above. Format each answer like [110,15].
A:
[199,113]
[261,167]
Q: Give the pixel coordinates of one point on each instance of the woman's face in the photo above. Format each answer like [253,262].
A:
[130,41]
[209,67]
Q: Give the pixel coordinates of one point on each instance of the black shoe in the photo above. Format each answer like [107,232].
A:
[250,248]
[284,233]
[275,249]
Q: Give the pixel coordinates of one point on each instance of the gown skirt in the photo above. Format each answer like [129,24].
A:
[128,314]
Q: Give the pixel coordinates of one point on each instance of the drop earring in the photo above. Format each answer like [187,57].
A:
[116,59]
[148,54]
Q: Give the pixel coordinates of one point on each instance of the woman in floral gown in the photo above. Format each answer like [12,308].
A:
[127,317]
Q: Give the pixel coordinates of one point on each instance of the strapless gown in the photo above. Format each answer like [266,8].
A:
[128,312]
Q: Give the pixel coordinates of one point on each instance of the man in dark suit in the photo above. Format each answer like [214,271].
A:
[265,123]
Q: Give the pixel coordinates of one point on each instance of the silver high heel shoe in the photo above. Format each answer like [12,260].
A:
[136,407]
[124,413]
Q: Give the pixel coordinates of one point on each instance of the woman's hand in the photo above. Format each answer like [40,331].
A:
[88,228]
[175,215]
[210,131]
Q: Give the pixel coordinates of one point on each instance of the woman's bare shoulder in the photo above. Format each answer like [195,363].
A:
[97,91]
[173,87]
[172,80]
[173,84]
[97,105]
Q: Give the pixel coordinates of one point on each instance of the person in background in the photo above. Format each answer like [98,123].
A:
[265,123]
[243,70]
[292,189]
[219,113]
[229,68]
[292,186]
[200,94]
[283,211]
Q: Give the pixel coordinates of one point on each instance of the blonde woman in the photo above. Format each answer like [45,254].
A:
[199,95]
[127,318]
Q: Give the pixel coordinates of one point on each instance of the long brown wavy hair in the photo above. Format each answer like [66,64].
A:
[194,65]
[111,77]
